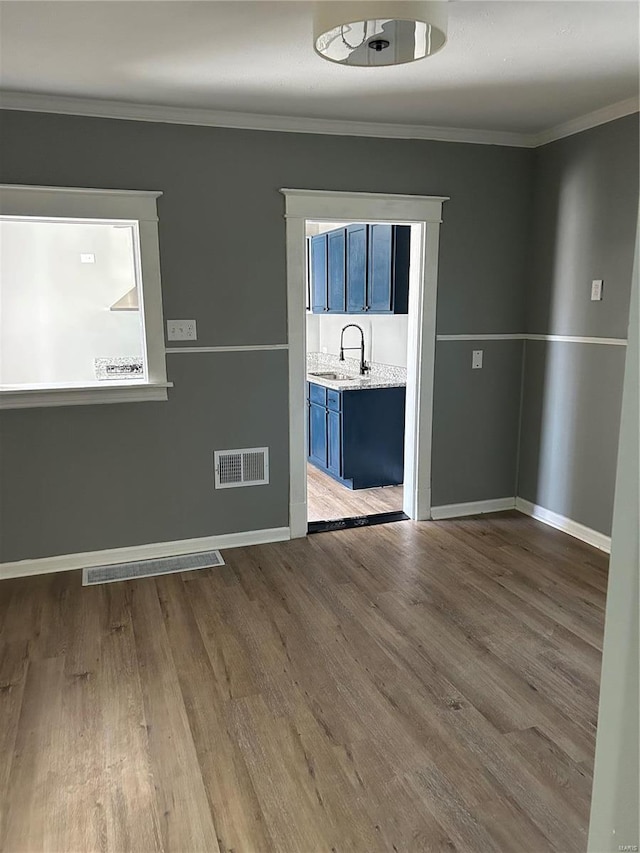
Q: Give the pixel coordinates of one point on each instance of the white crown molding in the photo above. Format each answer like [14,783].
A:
[96,108]
[99,108]
[586,122]
[566,525]
[153,551]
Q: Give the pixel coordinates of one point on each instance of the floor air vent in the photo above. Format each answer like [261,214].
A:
[248,467]
[148,568]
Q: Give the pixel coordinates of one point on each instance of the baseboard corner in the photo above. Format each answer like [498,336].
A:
[564,524]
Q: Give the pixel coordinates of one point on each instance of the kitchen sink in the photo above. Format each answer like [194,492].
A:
[339,376]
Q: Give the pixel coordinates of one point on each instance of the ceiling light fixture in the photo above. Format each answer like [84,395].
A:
[380,32]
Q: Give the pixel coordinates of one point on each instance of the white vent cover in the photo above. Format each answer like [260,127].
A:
[150,568]
[248,467]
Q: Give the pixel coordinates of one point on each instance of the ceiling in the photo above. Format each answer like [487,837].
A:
[509,65]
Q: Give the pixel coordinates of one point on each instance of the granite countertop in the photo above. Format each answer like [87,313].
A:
[357,383]
[347,374]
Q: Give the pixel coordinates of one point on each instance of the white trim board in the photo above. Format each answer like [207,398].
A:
[89,559]
[90,396]
[99,108]
[566,525]
[546,516]
[482,337]
[578,339]
[521,336]
[439,513]
[250,348]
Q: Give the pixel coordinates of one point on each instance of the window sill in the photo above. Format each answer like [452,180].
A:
[84,396]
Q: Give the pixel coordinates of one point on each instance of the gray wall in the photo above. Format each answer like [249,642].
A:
[585,209]
[471,412]
[115,475]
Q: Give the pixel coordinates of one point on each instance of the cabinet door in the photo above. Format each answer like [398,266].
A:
[336,271]
[356,269]
[319,273]
[380,287]
[334,443]
[318,434]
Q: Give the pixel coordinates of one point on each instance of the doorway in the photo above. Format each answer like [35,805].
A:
[423,215]
[358,280]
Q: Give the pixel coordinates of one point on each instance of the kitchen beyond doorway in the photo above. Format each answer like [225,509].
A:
[357,324]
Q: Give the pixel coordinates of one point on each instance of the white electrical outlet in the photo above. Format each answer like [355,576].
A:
[181,330]
[476,359]
[596,290]
[87,258]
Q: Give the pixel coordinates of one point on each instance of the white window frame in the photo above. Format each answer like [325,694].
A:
[79,203]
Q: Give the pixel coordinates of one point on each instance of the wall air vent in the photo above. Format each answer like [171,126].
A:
[149,568]
[248,467]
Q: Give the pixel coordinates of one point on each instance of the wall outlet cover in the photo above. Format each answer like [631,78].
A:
[476,359]
[87,258]
[181,330]
[596,290]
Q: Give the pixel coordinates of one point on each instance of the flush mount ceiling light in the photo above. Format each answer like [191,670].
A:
[381,32]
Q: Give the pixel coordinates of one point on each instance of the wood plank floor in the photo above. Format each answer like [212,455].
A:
[407,687]
[328,499]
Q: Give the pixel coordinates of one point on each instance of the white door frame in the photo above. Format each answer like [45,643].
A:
[426,213]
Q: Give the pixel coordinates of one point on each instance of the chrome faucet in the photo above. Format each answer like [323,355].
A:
[363,366]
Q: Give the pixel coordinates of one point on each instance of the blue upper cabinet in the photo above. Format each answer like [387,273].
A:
[400,253]
[388,269]
[336,256]
[356,268]
[361,268]
[380,263]
[318,270]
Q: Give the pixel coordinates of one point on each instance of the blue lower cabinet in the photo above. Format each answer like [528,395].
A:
[357,437]
[318,435]
[334,443]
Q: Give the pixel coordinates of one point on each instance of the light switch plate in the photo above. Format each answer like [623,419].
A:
[596,290]
[181,330]
[476,359]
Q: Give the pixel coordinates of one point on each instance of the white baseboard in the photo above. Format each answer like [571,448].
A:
[439,513]
[89,559]
[567,525]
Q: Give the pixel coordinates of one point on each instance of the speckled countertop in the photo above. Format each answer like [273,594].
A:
[349,379]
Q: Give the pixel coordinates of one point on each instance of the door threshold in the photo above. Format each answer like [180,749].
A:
[356,521]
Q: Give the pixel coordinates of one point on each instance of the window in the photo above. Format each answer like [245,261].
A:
[80,297]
